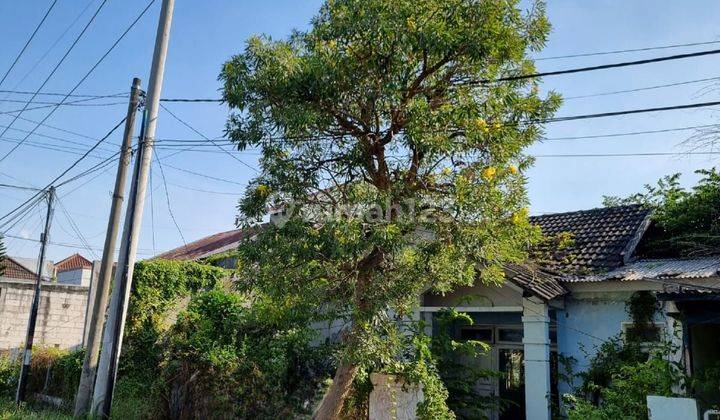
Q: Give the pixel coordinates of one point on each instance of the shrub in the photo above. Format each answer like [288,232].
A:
[9,370]
[226,357]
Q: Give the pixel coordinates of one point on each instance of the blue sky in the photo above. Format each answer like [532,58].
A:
[205,34]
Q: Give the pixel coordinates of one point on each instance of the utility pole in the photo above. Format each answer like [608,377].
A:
[25,369]
[97,317]
[115,324]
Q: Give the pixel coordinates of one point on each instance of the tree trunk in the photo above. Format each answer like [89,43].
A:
[334,398]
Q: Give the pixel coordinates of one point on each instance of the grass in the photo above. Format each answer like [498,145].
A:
[9,410]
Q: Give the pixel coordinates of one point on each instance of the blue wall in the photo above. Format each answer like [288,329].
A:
[583,325]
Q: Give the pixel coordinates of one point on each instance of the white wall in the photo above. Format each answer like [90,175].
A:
[79,277]
[61,316]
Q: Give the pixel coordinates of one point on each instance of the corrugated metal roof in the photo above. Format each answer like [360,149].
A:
[535,280]
[671,268]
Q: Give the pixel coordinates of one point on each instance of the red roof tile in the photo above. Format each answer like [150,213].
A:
[73,262]
[209,245]
[15,270]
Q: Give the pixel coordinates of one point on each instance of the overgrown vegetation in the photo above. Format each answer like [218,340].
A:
[687,221]
[625,370]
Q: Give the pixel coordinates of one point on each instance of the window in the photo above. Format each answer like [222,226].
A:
[484,334]
[647,333]
[510,335]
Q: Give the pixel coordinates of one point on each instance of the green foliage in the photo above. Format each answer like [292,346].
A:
[10,411]
[9,370]
[396,167]
[625,396]
[226,356]
[460,376]
[688,221]
[159,286]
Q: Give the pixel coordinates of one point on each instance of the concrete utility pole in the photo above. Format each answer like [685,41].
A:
[25,369]
[115,324]
[102,290]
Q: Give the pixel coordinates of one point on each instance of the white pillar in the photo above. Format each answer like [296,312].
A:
[536,343]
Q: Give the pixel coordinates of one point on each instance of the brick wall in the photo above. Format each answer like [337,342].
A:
[61,316]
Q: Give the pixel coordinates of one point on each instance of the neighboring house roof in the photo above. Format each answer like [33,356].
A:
[604,238]
[535,280]
[210,245]
[15,270]
[31,264]
[73,262]
[658,269]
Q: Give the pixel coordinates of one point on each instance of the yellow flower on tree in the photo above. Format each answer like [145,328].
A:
[263,189]
[513,169]
[481,125]
[520,215]
[446,171]
[411,23]
[489,173]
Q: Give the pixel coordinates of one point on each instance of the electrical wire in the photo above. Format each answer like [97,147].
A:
[617,92]
[76,229]
[663,47]
[59,63]
[27,43]
[167,199]
[73,165]
[592,68]
[193,129]
[52,46]
[632,133]
[167,165]
[89,72]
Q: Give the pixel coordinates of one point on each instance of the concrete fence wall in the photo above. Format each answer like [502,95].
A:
[61,316]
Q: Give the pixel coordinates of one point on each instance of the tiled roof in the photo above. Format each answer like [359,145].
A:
[535,280]
[209,245]
[31,265]
[15,270]
[73,262]
[653,269]
[603,238]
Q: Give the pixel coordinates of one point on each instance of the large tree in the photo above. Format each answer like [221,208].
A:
[398,161]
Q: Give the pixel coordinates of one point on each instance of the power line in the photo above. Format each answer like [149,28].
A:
[27,43]
[616,92]
[632,133]
[57,66]
[628,112]
[201,175]
[591,155]
[592,68]
[193,129]
[73,165]
[52,46]
[77,231]
[97,63]
[663,47]
[191,100]
[167,199]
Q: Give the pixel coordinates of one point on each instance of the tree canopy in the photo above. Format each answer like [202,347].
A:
[687,221]
[396,158]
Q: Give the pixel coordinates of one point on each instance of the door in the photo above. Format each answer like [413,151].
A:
[511,387]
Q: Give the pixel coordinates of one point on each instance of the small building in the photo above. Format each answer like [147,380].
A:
[74,269]
[540,314]
[62,315]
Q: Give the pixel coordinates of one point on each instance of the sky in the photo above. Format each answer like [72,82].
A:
[205,34]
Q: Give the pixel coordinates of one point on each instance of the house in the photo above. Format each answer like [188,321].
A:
[62,315]
[214,245]
[74,269]
[540,314]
